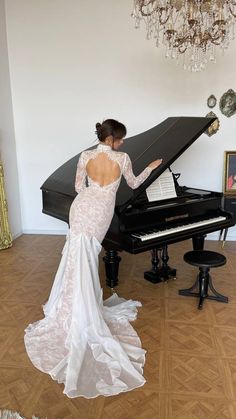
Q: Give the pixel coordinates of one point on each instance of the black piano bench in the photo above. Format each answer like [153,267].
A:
[204,260]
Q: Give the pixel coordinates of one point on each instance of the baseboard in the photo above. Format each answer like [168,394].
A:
[14,236]
[49,232]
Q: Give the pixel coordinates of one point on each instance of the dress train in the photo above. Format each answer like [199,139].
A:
[84,342]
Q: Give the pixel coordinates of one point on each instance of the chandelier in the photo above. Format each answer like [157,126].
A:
[190,29]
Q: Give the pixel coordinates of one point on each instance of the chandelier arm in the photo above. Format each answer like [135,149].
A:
[231,10]
[169,12]
[146,3]
[217,36]
[142,6]
[182,51]
[145,14]
[180,41]
[216,40]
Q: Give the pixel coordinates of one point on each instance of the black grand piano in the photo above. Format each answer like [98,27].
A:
[139,225]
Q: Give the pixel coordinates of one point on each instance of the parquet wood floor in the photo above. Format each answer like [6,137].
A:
[191,355]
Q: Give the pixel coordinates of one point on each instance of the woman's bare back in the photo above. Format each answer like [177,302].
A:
[103,170]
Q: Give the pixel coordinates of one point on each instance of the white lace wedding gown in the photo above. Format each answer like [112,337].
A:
[84,342]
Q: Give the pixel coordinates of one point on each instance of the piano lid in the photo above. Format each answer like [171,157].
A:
[167,140]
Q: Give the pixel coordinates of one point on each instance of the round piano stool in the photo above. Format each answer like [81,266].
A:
[204,260]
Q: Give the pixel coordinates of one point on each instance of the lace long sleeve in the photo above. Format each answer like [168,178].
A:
[80,177]
[132,180]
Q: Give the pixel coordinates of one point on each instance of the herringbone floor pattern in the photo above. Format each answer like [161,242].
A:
[191,354]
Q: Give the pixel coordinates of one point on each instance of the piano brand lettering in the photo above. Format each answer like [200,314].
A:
[177,217]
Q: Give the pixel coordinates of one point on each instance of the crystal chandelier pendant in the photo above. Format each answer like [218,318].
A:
[191,30]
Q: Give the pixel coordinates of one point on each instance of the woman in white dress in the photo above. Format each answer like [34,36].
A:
[84,342]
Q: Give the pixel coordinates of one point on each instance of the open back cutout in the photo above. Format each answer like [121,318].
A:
[103,170]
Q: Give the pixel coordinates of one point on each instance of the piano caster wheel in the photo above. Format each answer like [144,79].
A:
[153,277]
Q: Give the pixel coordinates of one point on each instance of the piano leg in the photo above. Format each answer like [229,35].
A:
[157,273]
[166,271]
[225,234]
[154,275]
[198,242]
[112,261]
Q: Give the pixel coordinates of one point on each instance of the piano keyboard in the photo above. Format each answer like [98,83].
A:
[152,234]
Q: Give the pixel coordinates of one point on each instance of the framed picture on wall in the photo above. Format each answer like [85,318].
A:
[230,172]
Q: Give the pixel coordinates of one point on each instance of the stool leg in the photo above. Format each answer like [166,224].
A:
[202,282]
[203,285]
[217,296]
[189,291]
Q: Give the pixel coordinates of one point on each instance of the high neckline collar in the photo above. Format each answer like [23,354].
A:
[104,146]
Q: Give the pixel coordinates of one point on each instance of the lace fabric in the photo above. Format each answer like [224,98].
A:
[84,342]
[121,158]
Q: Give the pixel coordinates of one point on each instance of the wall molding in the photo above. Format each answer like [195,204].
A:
[49,232]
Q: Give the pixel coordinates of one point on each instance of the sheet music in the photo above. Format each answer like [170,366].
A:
[162,188]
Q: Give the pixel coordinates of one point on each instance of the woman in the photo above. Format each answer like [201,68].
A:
[83,342]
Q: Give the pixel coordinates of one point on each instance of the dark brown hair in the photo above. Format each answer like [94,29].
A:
[110,127]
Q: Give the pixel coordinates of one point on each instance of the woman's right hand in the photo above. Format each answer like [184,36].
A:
[154,164]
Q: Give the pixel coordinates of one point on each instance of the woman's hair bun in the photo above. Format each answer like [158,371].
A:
[98,131]
[110,127]
[98,126]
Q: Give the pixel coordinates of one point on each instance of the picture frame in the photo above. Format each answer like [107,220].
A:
[211,101]
[213,128]
[5,234]
[228,103]
[229,182]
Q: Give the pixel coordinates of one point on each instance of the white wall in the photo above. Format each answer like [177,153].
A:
[75,62]
[7,136]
